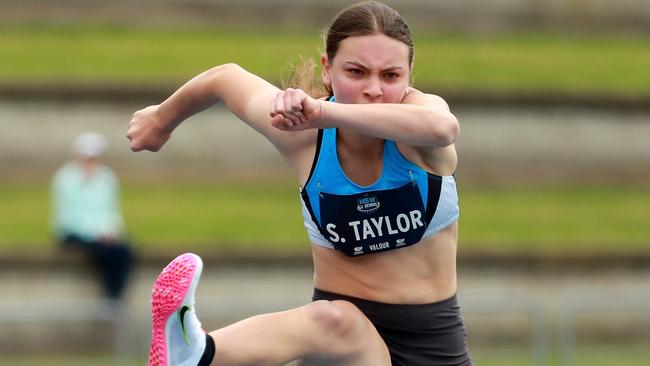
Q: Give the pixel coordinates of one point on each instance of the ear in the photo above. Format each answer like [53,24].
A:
[327,80]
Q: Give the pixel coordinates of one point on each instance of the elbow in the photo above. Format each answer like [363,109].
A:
[443,128]
[218,71]
[210,82]
[452,129]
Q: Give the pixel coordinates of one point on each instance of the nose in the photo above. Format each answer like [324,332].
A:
[373,90]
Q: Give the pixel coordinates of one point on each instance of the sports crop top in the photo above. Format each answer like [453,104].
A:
[405,205]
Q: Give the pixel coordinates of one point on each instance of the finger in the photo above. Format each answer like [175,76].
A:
[288,101]
[272,110]
[283,123]
[295,120]
[286,107]
[301,117]
[277,105]
[278,121]
[279,102]
[136,146]
[294,100]
[286,124]
[297,99]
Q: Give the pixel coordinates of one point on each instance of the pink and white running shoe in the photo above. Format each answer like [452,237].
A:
[177,338]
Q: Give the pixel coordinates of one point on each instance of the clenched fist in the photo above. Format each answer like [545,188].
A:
[295,110]
[147,130]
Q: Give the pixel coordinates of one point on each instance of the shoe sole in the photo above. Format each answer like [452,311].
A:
[174,285]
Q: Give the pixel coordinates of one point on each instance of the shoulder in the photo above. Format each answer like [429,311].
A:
[65,171]
[415,96]
[107,173]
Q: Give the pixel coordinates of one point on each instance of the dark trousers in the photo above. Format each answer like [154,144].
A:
[416,335]
[113,262]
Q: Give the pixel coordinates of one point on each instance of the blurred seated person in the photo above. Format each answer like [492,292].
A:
[86,213]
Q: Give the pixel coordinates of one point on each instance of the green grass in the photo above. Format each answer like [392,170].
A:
[534,62]
[556,218]
[247,215]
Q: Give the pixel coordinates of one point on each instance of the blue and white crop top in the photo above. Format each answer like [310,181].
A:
[405,205]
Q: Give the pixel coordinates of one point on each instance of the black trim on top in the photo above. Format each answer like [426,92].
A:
[319,142]
[434,183]
[303,190]
[305,199]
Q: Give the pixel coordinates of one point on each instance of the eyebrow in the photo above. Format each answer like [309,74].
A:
[358,64]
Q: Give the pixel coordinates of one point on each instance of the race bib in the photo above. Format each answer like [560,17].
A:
[375,221]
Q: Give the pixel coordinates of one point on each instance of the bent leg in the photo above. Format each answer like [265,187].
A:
[320,333]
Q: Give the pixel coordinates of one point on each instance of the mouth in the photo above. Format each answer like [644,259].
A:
[373,101]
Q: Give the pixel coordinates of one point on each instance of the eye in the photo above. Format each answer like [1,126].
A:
[391,75]
[355,72]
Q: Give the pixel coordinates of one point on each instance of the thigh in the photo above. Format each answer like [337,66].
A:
[320,333]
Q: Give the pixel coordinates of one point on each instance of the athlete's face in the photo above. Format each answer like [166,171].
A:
[368,69]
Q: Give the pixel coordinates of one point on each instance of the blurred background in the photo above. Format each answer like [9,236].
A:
[554,169]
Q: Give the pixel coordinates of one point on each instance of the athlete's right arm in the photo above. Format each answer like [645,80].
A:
[245,94]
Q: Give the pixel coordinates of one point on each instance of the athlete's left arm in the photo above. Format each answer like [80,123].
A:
[422,120]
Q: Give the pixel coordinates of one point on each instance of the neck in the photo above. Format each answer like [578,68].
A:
[88,166]
[360,144]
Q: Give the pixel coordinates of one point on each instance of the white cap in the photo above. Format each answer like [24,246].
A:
[90,144]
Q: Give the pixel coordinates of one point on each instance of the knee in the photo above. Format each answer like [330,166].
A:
[338,321]
[344,334]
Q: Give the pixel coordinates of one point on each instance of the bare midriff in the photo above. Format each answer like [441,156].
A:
[419,274]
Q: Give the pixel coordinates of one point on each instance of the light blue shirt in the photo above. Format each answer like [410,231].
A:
[86,206]
[403,206]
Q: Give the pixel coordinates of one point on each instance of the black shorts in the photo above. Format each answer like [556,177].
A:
[416,335]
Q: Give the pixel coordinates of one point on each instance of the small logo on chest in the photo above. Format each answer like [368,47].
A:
[367,204]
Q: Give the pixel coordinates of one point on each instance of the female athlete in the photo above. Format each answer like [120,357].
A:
[375,160]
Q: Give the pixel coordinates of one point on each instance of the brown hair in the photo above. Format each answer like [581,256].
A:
[362,19]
